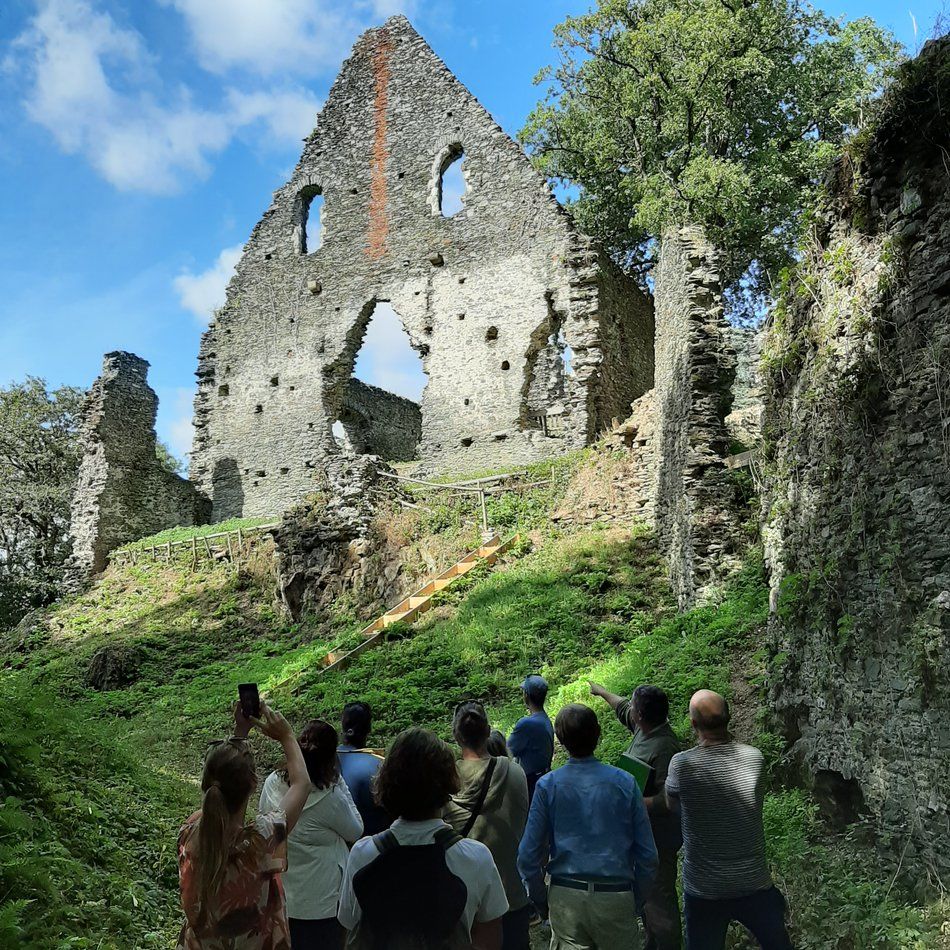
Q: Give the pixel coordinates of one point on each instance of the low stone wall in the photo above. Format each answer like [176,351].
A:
[123,492]
[857,451]
[380,423]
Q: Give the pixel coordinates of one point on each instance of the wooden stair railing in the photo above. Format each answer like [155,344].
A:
[418,602]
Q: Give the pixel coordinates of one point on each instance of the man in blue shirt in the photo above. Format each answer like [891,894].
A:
[588,824]
[358,766]
[531,742]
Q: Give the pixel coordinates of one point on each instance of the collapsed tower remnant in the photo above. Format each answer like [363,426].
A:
[123,491]
[532,340]
[677,432]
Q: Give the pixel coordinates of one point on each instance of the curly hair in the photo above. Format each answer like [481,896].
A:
[417,777]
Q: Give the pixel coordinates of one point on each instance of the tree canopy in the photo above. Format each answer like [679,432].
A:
[721,113]
[39,459]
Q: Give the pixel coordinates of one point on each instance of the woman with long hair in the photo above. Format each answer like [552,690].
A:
[227,868]
[317,849]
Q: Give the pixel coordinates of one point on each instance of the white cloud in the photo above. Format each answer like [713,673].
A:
[93,86]
[203,293]
[174,423]
[386,358]
[304,37]
[290,115]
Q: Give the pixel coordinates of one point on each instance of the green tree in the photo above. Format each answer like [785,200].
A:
[168,459]
[39,459]
[721,113]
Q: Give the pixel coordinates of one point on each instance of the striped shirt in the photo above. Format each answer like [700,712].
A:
[720,791]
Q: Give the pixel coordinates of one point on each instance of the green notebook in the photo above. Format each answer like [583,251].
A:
[639,769]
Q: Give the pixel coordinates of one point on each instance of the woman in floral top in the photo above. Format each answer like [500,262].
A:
[228,870]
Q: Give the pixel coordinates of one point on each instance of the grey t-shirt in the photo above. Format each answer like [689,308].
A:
[720,789]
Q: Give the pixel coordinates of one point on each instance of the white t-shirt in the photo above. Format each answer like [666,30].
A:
[468,860]
[317,847]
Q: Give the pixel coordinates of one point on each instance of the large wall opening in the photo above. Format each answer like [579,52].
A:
[380,412]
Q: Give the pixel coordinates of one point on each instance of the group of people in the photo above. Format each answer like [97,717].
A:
[434,849]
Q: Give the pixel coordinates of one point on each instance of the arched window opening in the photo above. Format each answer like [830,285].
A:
[448,184]
[308,220]
[453,187]
[381,412]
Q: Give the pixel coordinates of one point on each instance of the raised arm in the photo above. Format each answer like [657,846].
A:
[273,724]
[611,699]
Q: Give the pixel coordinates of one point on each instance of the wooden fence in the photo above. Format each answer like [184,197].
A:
[235,544]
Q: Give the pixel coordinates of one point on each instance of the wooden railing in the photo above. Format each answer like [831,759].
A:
[233,547]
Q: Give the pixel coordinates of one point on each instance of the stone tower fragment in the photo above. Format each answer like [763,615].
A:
[123,492]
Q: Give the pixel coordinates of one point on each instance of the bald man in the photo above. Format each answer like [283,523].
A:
[718,788]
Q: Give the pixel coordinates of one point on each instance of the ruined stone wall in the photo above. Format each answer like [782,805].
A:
[693,494]
[488,296]
[380,423]
[857,440]
[123,492]
[666,461]
[744,422]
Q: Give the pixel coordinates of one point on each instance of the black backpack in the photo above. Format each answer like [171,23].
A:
[409,899]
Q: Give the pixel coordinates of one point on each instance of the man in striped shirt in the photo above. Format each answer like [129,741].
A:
[717,787]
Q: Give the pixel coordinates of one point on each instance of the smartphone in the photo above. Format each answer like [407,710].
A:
[250,700]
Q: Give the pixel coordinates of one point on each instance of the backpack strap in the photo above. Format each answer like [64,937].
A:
[446,837]
[480,801]
[385,841]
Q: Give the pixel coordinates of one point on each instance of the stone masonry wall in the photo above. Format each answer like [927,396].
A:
[123,492]
[489,297]
[857,439]
[380,423]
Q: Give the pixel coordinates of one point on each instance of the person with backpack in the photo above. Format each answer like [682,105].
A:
[531,742]
[228,869]
[317,848]
[358,765]
[419,885]
[492,807]
[589,826]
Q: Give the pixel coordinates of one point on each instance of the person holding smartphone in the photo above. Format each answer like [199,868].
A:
[318,847]
[228,867]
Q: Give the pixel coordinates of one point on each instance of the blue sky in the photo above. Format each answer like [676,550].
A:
[140,141]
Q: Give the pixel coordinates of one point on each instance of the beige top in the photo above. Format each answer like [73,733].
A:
[501,821]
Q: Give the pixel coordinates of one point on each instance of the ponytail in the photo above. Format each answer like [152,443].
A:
[211,853]
[228,780]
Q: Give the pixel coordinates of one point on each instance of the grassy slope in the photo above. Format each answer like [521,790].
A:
[104,778]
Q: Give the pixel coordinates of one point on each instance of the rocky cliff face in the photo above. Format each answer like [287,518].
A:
[856,372]
[331,543]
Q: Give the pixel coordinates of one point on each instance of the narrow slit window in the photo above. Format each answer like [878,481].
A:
[452,186]
[309,220]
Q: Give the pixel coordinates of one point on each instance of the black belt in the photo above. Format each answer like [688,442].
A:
[578,884]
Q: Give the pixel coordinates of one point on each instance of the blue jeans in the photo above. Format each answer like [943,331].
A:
[761,913]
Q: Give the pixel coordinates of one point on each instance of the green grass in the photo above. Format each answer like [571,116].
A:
[87,831]
[590,605]
[201,531]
